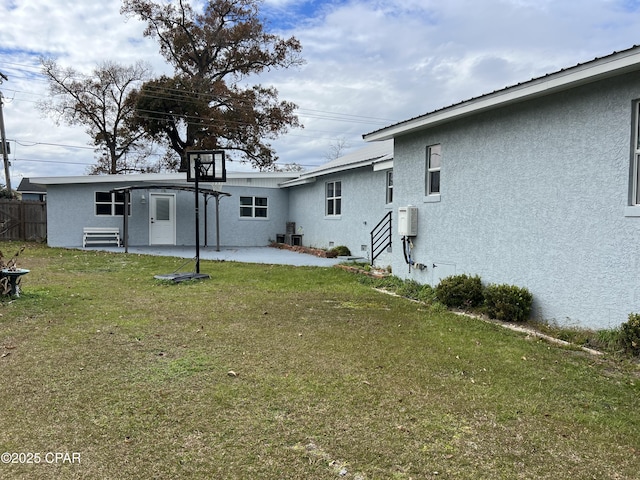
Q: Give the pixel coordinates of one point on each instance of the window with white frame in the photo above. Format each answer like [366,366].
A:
[635,194]
[110,204]
[334,198]
[432,180]
[389,196]
[253,207]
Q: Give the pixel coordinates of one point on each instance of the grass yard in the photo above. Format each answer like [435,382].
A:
[330,379]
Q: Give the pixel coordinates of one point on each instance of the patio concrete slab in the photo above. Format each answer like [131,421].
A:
[268,255]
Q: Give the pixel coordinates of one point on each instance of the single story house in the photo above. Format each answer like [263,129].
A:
[335,204]
[161,208]
[343,201]
[31,191]
[535,185]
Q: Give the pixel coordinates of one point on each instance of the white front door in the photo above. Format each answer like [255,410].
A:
[162,219]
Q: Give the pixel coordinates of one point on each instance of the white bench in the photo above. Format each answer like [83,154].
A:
[100,235]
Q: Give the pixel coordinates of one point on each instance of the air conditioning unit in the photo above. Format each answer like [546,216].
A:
[408,221]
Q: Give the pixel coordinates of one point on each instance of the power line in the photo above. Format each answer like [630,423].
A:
[182,95]
[22,143]
[185,96]
[66,162]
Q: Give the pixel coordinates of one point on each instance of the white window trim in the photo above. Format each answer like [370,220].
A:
[632,211]
[335,197]
[253,207]
[112,204]
[635,165]
[430,170]
[389,188]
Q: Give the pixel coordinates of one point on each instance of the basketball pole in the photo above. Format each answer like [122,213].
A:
[208,172]
[197,175]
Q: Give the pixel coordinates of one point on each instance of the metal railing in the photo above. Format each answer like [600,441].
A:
[381,237]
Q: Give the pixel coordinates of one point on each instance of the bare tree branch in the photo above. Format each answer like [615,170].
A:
[205,104]
[104,103]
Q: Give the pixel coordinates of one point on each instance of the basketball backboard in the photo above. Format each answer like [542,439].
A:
[212,166]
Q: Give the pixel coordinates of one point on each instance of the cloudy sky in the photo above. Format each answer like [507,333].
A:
[369,63]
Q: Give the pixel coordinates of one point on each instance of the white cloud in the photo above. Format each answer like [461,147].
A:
[369,62]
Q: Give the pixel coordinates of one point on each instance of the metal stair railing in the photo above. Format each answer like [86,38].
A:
[381,237]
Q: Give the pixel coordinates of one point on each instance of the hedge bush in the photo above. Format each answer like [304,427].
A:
[508,302]
[630,334]
[409,289]
[460,291]
[415,291]
[339,251]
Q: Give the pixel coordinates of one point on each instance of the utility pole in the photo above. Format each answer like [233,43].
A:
[3,138]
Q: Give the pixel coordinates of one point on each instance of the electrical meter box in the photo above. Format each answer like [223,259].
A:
[408,221]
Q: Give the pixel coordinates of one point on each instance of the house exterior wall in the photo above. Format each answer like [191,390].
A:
[363,206]
[71,207]
[248,232]
[534,195]
[34,197]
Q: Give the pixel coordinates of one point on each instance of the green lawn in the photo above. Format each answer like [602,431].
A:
[331,379]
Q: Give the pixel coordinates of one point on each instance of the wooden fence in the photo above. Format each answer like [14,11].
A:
[23,220]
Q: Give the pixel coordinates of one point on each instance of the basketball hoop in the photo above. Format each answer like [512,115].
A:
[204,166]
[210,165]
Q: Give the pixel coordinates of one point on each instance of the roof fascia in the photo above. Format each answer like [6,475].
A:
[298,181]
[150,177]
[83,179]
[312,176]
[383,165]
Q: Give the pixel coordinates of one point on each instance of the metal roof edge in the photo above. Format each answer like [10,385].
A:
[311,176]
[149,177]
[297,181]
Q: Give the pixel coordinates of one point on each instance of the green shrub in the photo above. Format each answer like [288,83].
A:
[409,289]
[605,340]
[4,193]
[415,291]
[404,288]
[339,251]
[390,282]
[630,334]
[508,302]
[427,294]
[460,291]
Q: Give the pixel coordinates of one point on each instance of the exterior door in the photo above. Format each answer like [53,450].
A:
[162,219]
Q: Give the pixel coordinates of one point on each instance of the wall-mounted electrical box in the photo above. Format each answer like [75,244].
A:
[408,221]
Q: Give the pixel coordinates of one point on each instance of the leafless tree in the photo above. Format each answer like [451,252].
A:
[104,103]
[336,149]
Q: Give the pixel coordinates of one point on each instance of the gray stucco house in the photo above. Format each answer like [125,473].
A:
[161,212]
[342,201]
[336,204]
[536,185]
